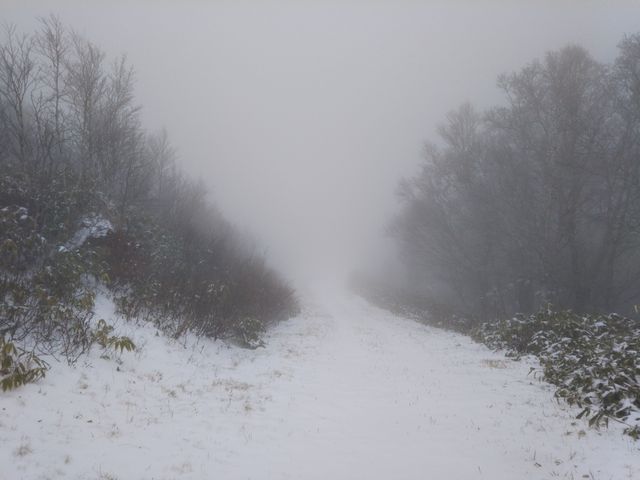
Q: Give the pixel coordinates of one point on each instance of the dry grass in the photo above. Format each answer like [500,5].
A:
[494,363]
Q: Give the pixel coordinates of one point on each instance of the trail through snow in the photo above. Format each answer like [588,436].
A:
[344,391]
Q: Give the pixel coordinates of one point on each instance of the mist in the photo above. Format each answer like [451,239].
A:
[319,239]
[302,117]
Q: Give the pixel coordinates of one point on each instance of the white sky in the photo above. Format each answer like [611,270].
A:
[302,116]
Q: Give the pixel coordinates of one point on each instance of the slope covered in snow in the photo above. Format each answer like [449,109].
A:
[343,391]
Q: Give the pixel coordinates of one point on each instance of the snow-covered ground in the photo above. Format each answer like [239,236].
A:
[344,391]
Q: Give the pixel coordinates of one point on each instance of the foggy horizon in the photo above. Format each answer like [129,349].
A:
[302,118]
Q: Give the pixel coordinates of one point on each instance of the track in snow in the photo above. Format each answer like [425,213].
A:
[345,391]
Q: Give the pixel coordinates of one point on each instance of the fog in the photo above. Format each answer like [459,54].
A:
[312,239]
[302,117]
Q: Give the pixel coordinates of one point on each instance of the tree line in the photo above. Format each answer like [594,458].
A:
[88,197]
[535,201]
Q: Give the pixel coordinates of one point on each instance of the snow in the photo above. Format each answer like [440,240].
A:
[344,391]
[93,226]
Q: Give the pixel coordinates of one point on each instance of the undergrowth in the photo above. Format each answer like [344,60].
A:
[593,360]
[18,367]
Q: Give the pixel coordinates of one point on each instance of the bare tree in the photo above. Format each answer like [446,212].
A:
[17,75]
[53,45]
[538,200]
[86,85]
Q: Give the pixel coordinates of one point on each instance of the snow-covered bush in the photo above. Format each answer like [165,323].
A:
[45,301]
[593,360]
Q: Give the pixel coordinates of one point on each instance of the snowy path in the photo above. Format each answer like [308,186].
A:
[346,391]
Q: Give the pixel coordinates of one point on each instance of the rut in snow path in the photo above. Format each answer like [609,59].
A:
[344,391]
